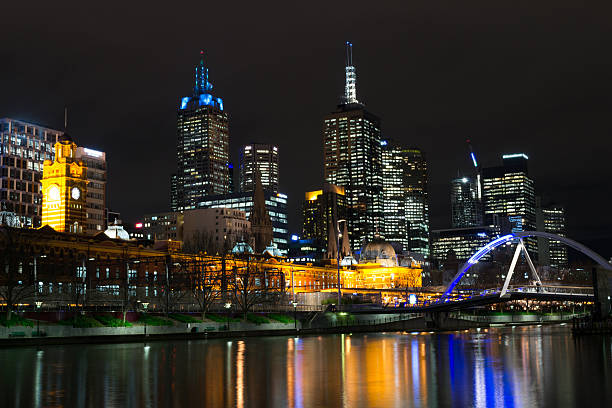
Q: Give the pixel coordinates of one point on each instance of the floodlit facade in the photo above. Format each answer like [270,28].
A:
[64,186]
[203,145]
[95,201]
[23,149]
[352,159]
[262,158]
[466,206]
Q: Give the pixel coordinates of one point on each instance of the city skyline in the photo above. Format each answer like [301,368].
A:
[439,129]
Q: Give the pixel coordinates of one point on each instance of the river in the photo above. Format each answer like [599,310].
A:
[498,367]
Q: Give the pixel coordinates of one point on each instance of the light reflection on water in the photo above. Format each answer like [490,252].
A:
[506,367]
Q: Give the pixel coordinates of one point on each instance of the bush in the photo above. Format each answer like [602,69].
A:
[257,319]
[15,320]
[153,320]
[221,319]
[111,321]
[81,322]
[281,318]
[184,318]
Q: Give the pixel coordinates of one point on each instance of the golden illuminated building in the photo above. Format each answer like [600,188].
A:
[64,187]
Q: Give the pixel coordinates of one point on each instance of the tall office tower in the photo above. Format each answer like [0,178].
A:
[64,187]
[23,149]
[203,144]
[395,228]
[352,159]
[509,193]
[321,209]
[95,201]
[263,158]
[551,219]
[417,200]
[466,206]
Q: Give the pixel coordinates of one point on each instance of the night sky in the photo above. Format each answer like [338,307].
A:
[516,76]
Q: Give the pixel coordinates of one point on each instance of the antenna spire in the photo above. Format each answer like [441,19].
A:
[201,77]
[350,87]
[65,118]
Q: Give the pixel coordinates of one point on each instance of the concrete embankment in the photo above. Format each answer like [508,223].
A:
[326,324]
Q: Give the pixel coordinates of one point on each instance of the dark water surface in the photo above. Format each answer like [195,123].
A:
[505,367]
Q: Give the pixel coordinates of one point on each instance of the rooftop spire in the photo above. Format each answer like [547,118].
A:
[350,87]
[201,77]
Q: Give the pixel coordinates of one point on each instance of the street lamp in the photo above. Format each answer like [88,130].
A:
[339,234]
[294,303]
[227,306]
[145,305]
[38,305]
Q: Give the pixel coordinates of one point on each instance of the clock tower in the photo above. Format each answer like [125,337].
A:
[64,188]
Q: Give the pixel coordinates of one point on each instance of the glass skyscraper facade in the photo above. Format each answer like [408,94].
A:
[352,159]
[509,193]
[203,166]
[263,158]
[405,203]
[466,206]
[394,194]
[552,253]
[417,200]
[23,149]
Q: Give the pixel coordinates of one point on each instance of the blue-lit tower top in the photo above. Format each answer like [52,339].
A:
[202,95]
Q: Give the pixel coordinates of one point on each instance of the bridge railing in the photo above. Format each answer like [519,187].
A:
[566,290]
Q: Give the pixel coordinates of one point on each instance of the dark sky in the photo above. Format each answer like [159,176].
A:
[513,76]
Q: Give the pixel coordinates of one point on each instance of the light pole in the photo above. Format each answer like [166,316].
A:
[294,303]
[145,305]
[38,305]
[338,235]
[227,306]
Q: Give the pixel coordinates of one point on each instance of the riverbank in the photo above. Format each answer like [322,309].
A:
[60,335]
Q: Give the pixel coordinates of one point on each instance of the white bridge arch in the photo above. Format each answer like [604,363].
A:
[520,247]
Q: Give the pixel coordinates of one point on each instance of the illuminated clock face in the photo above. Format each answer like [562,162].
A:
[76,193]
[53,193]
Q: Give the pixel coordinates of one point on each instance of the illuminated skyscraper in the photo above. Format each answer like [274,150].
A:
[323,208]
[552,219]
[466,207]
[509,193]
[352,159]
[23,149]
[261,157]
[417,200]
[203,144]
[394,193]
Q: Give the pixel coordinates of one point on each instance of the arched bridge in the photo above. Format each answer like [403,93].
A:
[538,291]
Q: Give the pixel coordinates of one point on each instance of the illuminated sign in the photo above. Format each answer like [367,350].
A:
[383,142]
[138,225]
[294,237]
[412,299]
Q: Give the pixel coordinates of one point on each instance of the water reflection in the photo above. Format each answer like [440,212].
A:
[521,366]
